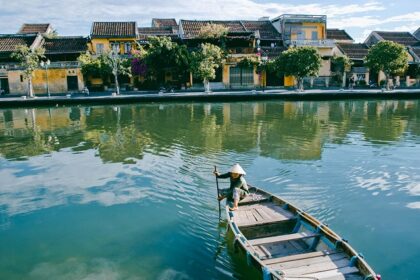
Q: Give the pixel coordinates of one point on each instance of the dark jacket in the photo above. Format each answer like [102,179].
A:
[235,183]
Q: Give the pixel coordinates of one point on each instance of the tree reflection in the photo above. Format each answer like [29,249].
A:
[282,130]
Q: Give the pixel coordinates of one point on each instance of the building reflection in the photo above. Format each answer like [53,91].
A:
[281,130]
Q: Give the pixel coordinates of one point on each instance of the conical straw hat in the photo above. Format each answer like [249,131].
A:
[236,168]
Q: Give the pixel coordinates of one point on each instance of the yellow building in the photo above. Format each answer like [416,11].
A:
[244,40]
[118,37]
[307,30]
[58,73]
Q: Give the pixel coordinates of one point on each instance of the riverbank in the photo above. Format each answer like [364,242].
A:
[220,96]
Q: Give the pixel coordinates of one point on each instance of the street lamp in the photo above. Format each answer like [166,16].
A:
[46,64]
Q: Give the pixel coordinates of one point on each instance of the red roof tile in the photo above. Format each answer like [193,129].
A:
[67,45]
[28,28]
[164,22]
[354,51]
[338,34]
[113,29]
[264,27]
[145,32]
[403,38]
[191,28]
[416,50]
[9,43]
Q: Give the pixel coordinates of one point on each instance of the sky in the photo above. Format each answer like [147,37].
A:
[75,17]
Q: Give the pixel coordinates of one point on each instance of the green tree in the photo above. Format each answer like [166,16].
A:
[205,61]
[388,57]
[119,66]
[104,65]
[96,66]
[164,55]
[29,60]
[342,65]
[299,62]
[212,31]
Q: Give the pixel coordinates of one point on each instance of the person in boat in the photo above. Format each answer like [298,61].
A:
[238,187]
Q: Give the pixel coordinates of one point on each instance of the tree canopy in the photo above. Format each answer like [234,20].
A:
[163,54]
[28,58]
[299,62]
[388,57]
[212,31]
[205,61]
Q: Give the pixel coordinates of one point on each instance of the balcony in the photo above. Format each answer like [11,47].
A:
[10,66]
[327,43]
[360,70]
[242,50]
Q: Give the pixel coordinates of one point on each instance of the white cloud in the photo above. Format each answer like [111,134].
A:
[406,17]
[77,17]
[58,180]
[414,205]
[364,21]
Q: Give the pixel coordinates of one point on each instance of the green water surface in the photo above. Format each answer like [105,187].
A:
[127,192]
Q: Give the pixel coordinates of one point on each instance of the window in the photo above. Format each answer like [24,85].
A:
[99,48]
[115,47]
[127,48]
[314,35]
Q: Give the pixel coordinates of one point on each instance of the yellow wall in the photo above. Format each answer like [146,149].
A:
[320,28]
[107,43]
[226,74]
[57,81]
[289,81]
[257,80]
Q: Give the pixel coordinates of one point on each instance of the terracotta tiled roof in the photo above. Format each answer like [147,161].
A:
[354,51]
[65,45]
[403,38]
[28,28]
[417,33]
[145,32]
[164,22]
[264,27]
[113,29]
[191,28]
[416,50]
[9,43]
[338,34]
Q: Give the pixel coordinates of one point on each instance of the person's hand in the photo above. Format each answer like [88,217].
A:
[216,173]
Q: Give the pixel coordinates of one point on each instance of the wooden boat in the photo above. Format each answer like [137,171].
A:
[287,243]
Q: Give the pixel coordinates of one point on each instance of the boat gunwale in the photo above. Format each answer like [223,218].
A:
[322,228]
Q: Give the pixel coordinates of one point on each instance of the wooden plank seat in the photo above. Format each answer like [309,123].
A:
[343,273]
[299,257]
[282,238]
[260,213]
[319,265]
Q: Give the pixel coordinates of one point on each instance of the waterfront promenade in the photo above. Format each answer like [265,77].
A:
[219,96]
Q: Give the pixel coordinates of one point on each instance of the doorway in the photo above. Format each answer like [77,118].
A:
[72,83]
[4,86]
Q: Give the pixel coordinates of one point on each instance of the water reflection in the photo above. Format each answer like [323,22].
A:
[282,130]
[146,169]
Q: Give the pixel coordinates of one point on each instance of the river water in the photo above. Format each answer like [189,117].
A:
[127,192]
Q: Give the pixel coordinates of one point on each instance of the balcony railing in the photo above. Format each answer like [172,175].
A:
[242,50]
[54,65]
[327,43]
[360,70]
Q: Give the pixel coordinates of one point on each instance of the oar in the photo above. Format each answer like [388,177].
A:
[217,185]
